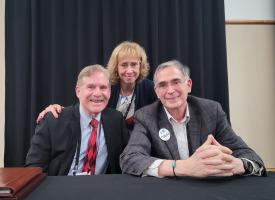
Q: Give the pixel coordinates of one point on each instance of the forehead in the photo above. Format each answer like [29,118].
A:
[169,73]
[96,78]
[128,54]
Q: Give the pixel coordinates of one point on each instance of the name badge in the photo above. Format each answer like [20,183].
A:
[164,134]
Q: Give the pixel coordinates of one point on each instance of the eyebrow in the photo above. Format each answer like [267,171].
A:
[175,79]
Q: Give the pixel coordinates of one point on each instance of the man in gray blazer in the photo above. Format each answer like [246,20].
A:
[183,135]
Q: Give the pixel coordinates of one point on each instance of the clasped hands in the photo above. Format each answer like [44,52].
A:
[210,159]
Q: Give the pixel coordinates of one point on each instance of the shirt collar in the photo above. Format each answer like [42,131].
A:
[85,118]
[185,120]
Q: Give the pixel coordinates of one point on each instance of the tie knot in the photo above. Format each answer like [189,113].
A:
[94,123]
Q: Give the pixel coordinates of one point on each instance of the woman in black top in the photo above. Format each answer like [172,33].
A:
[128,68]
[131,90]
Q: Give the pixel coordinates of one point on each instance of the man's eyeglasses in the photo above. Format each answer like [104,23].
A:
[173,83]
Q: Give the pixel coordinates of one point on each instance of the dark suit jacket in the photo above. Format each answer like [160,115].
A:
[206,117]
[145,94]
[54,144]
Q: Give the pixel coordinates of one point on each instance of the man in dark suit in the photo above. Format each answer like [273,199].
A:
[65,145]
[183,135]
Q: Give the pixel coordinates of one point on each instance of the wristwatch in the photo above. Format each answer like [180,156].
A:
[248,167]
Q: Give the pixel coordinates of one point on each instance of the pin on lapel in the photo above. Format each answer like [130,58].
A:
[164,134]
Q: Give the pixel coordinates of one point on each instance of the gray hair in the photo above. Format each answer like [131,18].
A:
[184,69]
[88,70]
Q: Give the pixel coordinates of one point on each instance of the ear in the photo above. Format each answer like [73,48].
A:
[156,92]
[189,84]
[77,91]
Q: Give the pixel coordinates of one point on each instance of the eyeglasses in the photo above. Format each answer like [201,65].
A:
[175,83]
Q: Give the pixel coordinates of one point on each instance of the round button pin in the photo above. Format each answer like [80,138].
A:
[164,134]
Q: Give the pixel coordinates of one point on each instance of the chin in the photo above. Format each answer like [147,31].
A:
[97,108]
[172,105]
[130,81]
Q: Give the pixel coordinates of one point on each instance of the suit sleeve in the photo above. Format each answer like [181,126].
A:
[40,147]
[227,137]
[136,155]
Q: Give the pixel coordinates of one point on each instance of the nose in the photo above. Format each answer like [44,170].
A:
[170,88]
[96,91]
[129,69]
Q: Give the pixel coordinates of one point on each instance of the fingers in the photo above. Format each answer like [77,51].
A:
[219,172]
[208,152]
[212,141]
[55,109]
[40,117]
[224,149]
[218,168]
[208,141]
[224,159]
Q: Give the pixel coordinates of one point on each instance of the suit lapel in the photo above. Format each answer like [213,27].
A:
[194,130]
[172,142]
[107,127]
[75,136]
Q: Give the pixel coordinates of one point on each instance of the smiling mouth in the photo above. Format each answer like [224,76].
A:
[172,99]
[96,100]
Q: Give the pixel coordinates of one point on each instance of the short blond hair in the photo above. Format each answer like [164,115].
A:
[132,49]
[88,70]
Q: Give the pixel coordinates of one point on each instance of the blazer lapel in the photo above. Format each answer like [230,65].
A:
[193,130]
[107,127]
[75,136]
[172,142]
[115,90]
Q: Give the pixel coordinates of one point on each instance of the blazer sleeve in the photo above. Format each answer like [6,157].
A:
[40,147]
[136,155]
[227,137]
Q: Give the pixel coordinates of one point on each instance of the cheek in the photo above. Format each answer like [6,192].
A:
[159,94]
[107,95]
[138,70]
[119,70]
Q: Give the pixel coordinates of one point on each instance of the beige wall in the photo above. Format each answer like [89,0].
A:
[2,81]
[251,68]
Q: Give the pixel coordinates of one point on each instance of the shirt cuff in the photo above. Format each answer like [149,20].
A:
[153,169]
[257,170]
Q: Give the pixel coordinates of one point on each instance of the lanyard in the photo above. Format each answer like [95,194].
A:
[129,106]
[78,144]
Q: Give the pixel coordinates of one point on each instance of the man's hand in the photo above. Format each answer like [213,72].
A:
[55,109]
[236,162]
[208,161]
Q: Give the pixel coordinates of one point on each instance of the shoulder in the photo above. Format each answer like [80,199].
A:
[201,106]
[66,115]
[112,112]
[146,83]
[145,89]
[198,101]
[149,111]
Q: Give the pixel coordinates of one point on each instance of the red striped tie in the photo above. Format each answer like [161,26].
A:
[90,158]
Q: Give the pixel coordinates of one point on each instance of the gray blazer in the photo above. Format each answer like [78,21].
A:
[206,117]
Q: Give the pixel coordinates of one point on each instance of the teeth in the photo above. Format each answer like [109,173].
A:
[96,100]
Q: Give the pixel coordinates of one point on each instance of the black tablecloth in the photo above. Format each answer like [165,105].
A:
[119,187]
